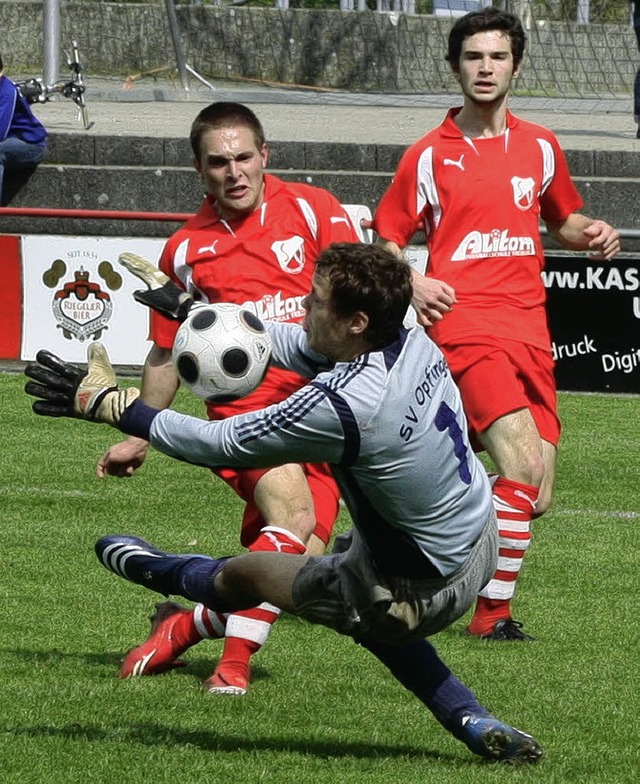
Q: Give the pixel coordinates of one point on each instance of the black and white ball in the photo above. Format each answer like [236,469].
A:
[221,352]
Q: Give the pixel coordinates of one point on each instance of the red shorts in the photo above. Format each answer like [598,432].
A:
[496,378]
[325,492]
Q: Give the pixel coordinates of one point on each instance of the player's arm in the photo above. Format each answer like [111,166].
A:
[159,379]
[313,432]
[432,298]
[395,222]
[559,205]
[579,232]
[159,386]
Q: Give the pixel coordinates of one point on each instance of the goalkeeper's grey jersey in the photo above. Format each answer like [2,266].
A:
[392,426]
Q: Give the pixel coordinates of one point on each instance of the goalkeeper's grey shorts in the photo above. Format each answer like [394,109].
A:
[345,592]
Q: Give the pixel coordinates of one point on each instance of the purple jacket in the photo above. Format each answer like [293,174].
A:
[16,117]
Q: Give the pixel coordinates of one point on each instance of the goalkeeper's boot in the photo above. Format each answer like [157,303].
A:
[134,559]
[491,739]
[173,631]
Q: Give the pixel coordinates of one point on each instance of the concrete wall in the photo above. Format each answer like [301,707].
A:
[359,51]
[155,175]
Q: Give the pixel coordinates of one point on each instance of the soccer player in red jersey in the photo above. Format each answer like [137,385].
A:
[254,242]
[478,186]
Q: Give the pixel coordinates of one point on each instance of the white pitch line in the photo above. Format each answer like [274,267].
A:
[52,491]
[579,512]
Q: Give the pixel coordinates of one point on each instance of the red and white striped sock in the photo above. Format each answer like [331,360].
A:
[210,625]
[515,505]
[248,630]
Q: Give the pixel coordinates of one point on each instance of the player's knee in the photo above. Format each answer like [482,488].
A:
[283,499]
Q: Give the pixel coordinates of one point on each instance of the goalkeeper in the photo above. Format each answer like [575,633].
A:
[384,412]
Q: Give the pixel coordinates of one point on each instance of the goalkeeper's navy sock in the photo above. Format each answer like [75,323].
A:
[136,560]
[196,582]
[418,667]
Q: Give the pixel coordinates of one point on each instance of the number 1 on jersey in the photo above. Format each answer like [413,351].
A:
[446,420]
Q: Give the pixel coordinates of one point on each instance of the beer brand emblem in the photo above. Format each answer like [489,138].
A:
[81,306]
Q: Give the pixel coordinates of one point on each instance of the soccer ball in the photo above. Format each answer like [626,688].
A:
[221,352]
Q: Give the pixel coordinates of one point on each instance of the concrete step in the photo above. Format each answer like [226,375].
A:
[156,151]
[147,174]
[67,148]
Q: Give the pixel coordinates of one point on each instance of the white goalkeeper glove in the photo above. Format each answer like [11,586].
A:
[163,295]
[63,389]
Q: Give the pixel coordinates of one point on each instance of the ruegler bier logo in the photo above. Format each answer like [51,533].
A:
[80,305]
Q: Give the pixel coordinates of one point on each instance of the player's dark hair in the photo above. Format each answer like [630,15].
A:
[225,114]
[480,21]
[371,279]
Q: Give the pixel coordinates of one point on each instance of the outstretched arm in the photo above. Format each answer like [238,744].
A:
[159,379]
[579,232]
[303,428]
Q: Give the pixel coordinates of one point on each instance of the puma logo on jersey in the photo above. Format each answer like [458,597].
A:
[452,162]
[211,248]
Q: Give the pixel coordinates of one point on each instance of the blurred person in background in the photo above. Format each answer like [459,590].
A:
[23,138]
[478,185]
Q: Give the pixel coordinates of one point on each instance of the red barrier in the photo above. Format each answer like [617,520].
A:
[42,212]
[10,297]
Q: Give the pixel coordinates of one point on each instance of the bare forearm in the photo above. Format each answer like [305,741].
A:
[570,233]
[579,232]
[159,386]
[159,379]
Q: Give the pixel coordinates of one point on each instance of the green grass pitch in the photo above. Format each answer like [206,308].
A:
[320,709]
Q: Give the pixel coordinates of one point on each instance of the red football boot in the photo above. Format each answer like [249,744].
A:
[172,633]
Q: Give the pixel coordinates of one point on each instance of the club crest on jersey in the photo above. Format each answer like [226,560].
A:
[523,192]
[290,254]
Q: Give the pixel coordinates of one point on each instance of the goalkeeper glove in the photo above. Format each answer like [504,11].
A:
[163,295]
[63,389]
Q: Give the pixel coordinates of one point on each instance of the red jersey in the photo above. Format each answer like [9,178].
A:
[479,202]
[263,261]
